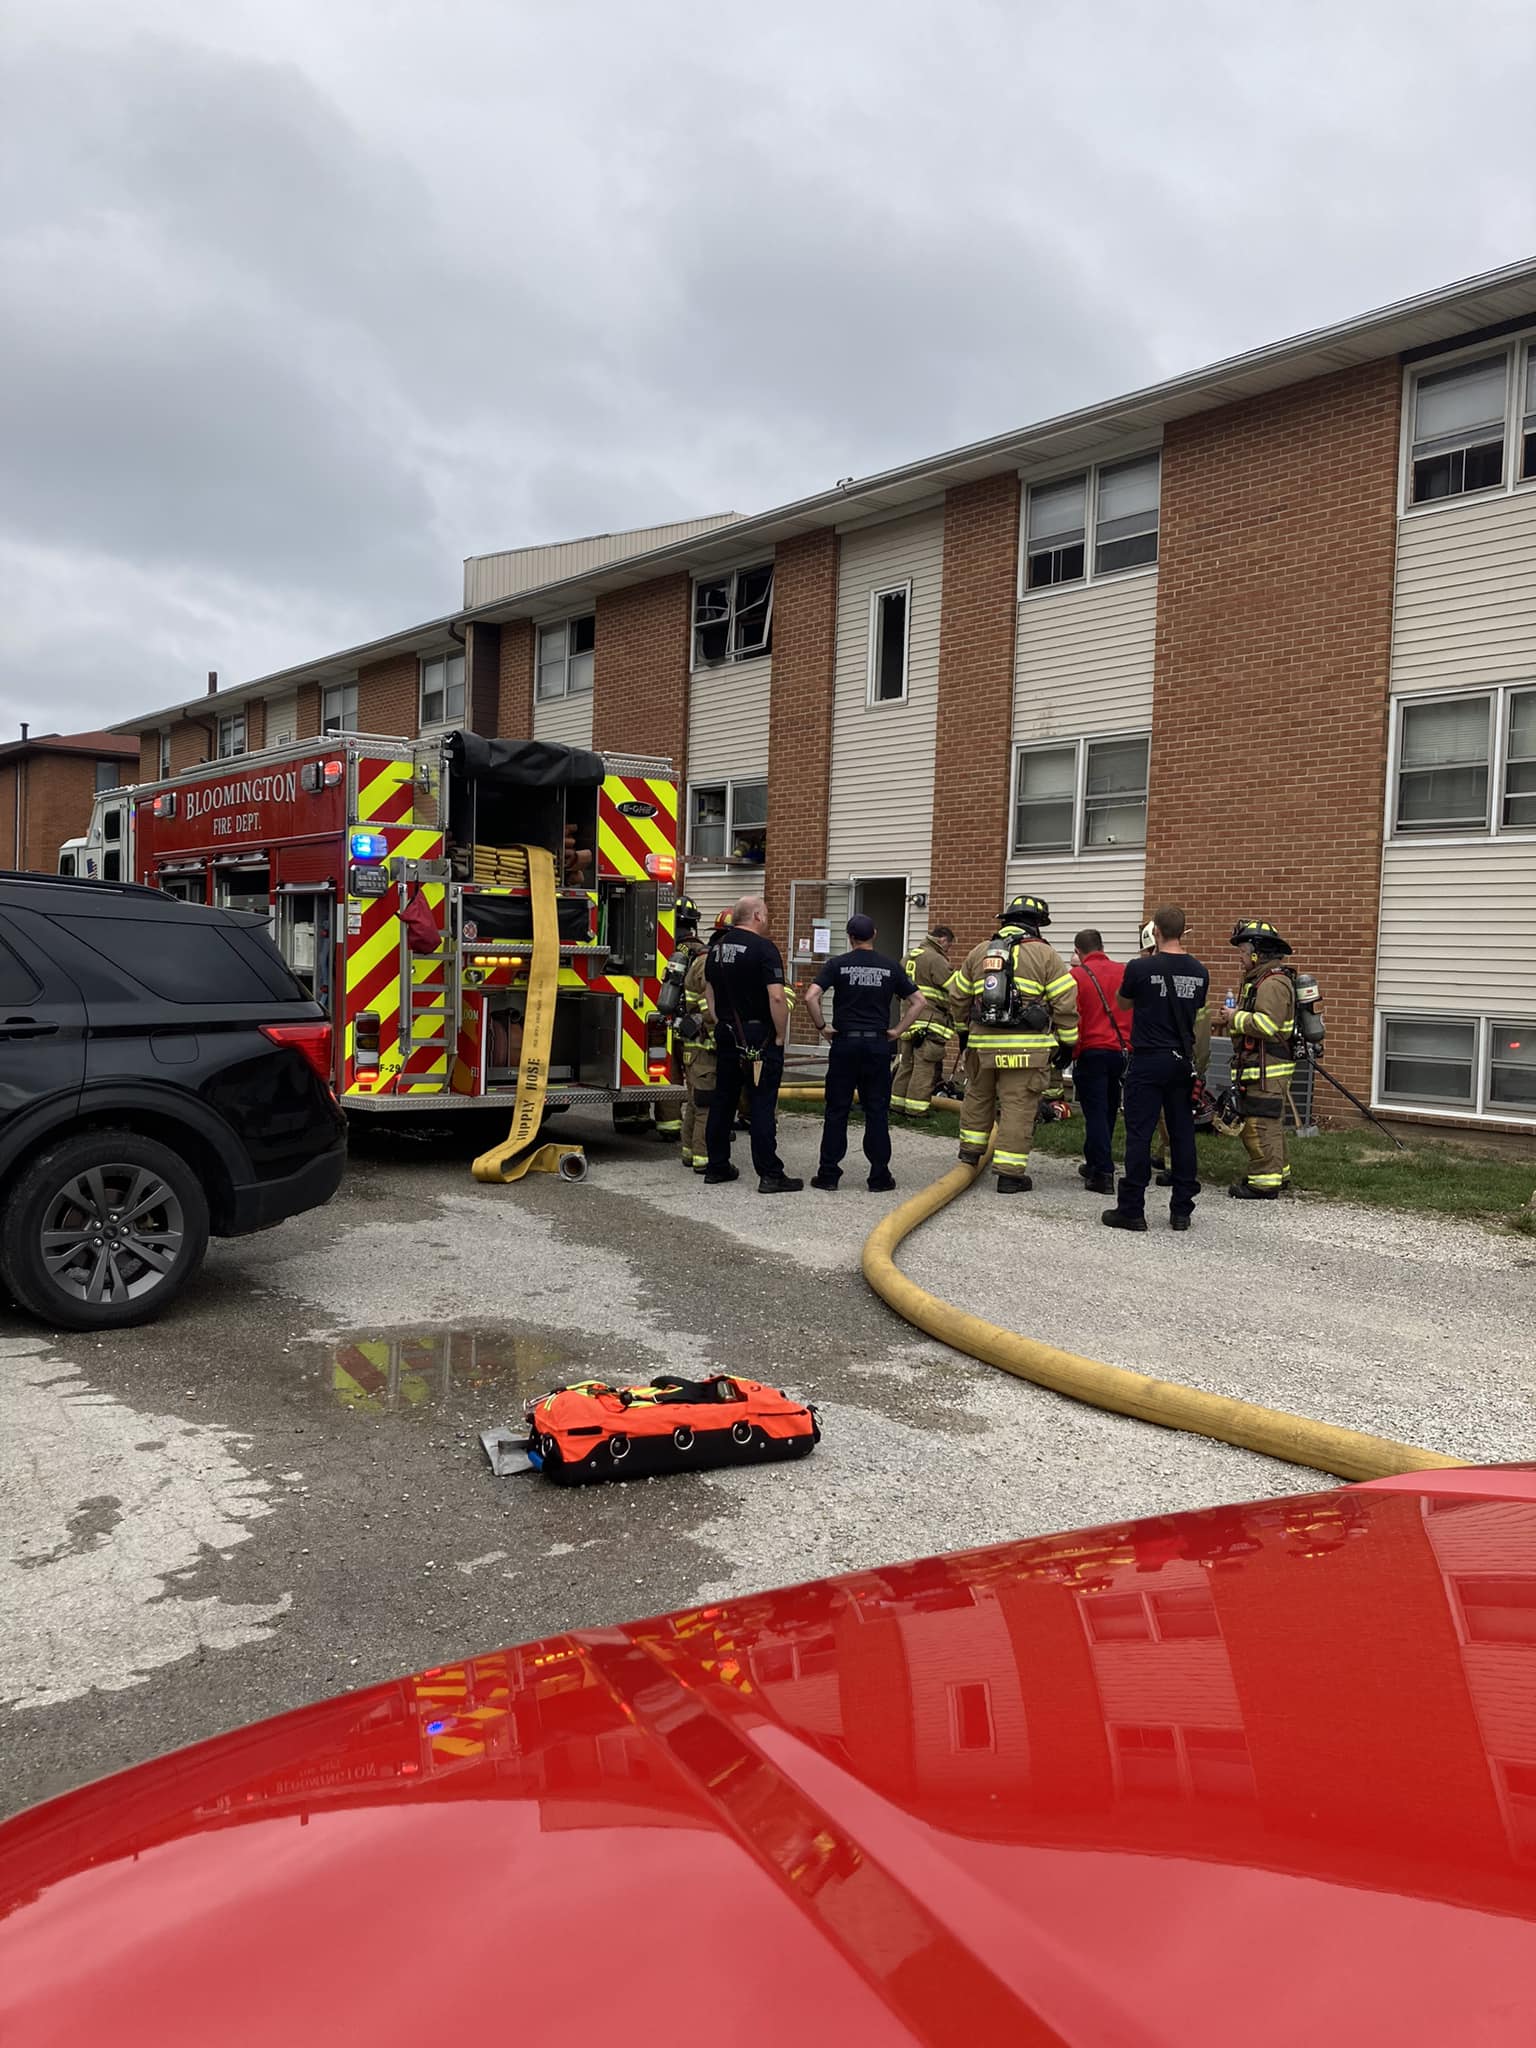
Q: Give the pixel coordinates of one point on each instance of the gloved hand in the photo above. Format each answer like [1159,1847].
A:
[1061,1057]
[962,1036]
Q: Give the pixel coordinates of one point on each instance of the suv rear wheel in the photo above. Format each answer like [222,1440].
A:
[102,1231]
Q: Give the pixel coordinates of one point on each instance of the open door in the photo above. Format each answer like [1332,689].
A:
[306,938]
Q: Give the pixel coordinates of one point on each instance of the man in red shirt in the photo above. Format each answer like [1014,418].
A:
[1099,1064]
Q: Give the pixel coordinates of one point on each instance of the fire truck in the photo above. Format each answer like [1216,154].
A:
[394,874]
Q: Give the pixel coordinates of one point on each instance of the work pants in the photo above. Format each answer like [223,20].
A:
[760,1078]
[669,1115]
[699,1080]
[997,1091]
[1097,1074]
[1157,1085]
[917,1072]
[859,1064]
[1264,1139]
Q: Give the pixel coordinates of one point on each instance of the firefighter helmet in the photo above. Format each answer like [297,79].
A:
[1259,933]
[723,921]
[1028,910]
[686,911]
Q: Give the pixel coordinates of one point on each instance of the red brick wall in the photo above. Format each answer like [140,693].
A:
[149,757]
[57,792]
[307,715]
[800,719]
[640,671]
[255,724]
[389,696]
[1269,720]
[977,629]
[514,700]
[193,741]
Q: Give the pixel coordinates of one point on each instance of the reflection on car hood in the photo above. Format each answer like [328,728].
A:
[1251,1775]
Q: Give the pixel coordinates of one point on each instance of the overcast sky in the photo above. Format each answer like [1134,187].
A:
[301,304]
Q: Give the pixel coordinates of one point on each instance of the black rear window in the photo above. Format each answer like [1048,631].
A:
[185,960]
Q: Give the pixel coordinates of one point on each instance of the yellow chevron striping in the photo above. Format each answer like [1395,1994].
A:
[373,795]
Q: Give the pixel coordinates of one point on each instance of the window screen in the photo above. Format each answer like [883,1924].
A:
[1520,762]
[338,708]
[179,958]
[1430,1059]
[1125,529]
[1512,1067]
[583,647]
[1458,430]
[1442,770]
[442,690]
[1528,417]
[108,775]
[1047,793]
[1057,529]
[749,805]
[1115,793]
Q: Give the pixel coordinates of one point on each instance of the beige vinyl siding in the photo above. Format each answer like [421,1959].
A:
[1458,928]
[489,578]
[1464,606]
[565,720]
[1083,661]
[1083,667]
[728,723]
[880,816]
[715,888]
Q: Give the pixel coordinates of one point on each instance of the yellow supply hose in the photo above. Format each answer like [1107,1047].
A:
[1297,1439]
[517,1154]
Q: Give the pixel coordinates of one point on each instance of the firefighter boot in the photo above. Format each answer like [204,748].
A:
[1019,1090]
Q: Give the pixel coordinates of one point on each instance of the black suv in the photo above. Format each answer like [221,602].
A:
[162,1076]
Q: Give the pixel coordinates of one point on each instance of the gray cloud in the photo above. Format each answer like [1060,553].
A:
[303,305]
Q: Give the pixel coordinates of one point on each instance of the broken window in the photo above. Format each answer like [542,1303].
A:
[733,616]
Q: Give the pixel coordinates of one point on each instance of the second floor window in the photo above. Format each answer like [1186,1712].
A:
[232,736]
[442,690]
[890,614]
[733,616]
[109,775]
[338,708]
[567,654]
[1467,764]
[165,755]
[728,821]
[1081,796]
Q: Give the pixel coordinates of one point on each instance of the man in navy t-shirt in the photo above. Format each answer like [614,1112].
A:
[864,1038]
[1166,992]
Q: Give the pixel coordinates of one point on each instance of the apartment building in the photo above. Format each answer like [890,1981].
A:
[47,785]
[1260,639]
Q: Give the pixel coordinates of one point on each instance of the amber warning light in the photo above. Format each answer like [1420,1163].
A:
[661,867]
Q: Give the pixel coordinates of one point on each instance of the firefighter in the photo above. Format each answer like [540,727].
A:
[675,1120]
[1016,997]
[924,1046]
[698,1056]
[1263,1027]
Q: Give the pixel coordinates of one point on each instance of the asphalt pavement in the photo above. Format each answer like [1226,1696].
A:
[279,1492]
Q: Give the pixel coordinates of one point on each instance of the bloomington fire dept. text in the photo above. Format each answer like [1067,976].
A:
[250,789]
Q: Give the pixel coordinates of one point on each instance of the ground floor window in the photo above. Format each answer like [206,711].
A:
[1483,1066]
[728,821]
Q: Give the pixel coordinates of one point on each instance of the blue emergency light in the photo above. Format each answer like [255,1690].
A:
[368,847]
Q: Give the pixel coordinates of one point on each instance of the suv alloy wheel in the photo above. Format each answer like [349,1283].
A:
[103,1230]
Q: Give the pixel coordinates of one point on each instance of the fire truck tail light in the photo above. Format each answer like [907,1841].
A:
[313,1041]
[165,806]
[658,1070]
[661,867]
[315,775]
[365,1039]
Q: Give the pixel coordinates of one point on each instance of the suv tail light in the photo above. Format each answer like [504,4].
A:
[312,1040]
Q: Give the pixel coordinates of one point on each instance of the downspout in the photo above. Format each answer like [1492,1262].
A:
[21,762]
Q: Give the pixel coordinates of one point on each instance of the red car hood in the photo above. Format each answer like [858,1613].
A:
[1254,1775]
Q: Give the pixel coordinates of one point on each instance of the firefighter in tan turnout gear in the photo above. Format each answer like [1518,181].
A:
[1263,1027]
[1016,998]
[677,1122]
[924,1046]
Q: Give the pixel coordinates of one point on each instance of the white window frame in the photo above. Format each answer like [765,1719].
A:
[903,589]
[348,719]
[565,690]
[228,720]
[1480,1109]
[1497,696]
[729,659]
[1091,575]
[730,784]
[447,722]
[163,753]
[1080,849]
[1518,351]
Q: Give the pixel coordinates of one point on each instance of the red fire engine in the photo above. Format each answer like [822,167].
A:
[395,878]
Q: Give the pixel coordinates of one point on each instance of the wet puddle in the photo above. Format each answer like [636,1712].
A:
[419,1371]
